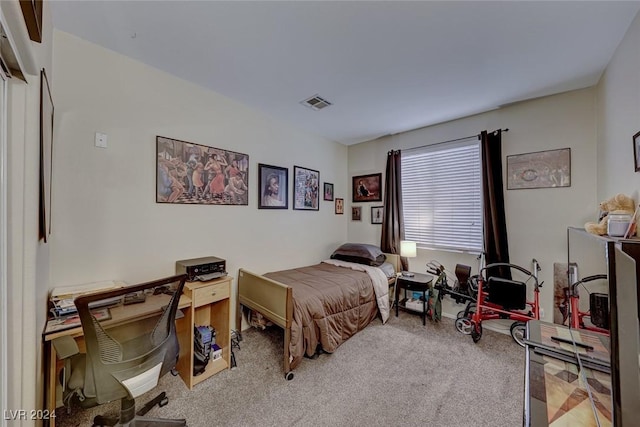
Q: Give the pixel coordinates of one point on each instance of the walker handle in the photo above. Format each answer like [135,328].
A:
[517,267]
[587,280]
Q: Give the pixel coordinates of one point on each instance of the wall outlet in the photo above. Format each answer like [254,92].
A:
[542,313]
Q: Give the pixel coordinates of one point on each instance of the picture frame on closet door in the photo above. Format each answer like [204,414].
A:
[636,150]
[46,156]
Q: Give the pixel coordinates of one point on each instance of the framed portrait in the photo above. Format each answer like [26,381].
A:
[190,173]
[339,206]
[367,188]
[377,213]
[306,189]
[328,191]
[542,169]
[636,151]
[273,186]
[356,213]
[46,155]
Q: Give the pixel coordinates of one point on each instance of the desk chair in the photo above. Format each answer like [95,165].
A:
[122,361]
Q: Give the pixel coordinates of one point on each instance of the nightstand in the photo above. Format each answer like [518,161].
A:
[416,283]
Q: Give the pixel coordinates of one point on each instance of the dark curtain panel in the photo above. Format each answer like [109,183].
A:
[392,221]
[495,225]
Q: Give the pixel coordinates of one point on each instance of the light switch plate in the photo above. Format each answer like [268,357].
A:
[101,140]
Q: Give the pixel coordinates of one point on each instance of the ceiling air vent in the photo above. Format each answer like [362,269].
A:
[316,102]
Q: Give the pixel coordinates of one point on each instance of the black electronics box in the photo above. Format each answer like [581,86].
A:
[210,265]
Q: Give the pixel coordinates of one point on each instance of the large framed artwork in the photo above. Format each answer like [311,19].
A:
[306,191]
[367,188]
[542,169]
[273,185]
[46,153]
[198,174]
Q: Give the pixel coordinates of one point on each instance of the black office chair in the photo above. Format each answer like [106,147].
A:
[122,361]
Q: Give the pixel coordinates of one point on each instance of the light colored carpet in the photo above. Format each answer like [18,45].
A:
[401,373]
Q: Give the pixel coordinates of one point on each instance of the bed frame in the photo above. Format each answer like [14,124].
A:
[274,301]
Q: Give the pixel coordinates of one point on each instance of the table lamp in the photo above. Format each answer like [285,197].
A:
[408,249]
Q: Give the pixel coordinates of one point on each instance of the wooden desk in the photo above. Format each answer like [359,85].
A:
[555,395]
[120,314]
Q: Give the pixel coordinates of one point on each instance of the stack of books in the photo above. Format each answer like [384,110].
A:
[63,309]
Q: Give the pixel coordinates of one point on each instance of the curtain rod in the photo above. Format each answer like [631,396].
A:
[454,140]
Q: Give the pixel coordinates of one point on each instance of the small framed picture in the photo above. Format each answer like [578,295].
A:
[339,206]
[636,150]
[367,188]
[273,185]
[328,191]
[356,213]
[376,214]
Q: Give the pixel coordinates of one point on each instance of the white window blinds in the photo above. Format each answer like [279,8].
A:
[442,196]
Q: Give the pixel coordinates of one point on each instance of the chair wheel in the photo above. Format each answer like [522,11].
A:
[174,372]
[464,325]
[163,402]
[288,376]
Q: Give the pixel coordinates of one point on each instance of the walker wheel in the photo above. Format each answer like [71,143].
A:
[464,325]
[460,314]
[476,333]
[519,332]
[288,376]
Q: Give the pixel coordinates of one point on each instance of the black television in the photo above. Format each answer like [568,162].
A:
[619,260]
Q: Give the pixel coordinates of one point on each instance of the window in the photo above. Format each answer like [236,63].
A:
[442,196]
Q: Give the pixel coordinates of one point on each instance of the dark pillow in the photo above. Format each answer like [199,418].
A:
[360,253]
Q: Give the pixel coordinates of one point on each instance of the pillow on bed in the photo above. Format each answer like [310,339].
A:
[359,253]
[388,269]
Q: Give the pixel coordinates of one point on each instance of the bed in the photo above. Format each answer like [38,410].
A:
[319,306]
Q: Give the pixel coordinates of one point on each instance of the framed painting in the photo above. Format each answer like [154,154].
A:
[328,191]
[367,188]
[273,183]
[339,206]
[190,173]
[356,213]
[32,13]
[46,155]
[542,169]
[636,151]
[306,189]
[377,213]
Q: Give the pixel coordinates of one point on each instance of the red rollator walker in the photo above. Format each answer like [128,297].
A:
[499,298]
[598,312]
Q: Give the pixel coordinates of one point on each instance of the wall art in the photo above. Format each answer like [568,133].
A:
[273,183]
[542,169]
[306,191]
[191,173]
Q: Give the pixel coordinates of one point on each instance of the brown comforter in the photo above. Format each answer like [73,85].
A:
[330,304]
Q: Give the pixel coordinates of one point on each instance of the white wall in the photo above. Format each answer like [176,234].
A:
[618,104]
[28,258]
[536,219]
[106,223]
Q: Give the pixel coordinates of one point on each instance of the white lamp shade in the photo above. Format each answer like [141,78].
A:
[408,249]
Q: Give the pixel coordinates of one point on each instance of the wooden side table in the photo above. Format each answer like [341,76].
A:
[417,283]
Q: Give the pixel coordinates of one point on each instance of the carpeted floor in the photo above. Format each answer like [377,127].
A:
[400,373]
